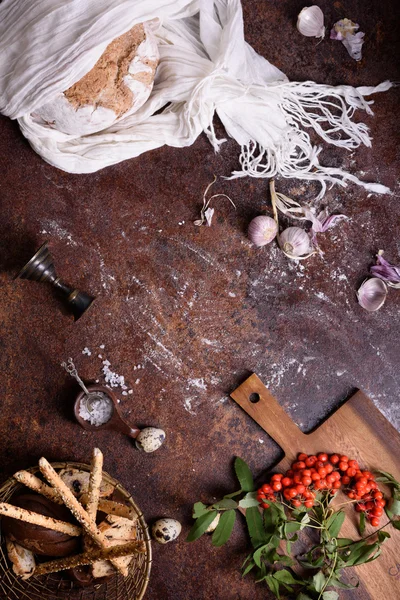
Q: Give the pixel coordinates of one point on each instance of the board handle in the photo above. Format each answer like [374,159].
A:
[260,404]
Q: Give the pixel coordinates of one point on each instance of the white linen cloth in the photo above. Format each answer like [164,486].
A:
[206,67]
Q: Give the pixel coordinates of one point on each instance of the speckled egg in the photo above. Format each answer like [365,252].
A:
[150,439]
[166,530]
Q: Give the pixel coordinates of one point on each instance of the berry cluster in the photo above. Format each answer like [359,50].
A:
[310,474]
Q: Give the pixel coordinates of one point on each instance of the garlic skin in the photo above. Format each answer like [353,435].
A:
[295,243]
[345,32]
[262,230]
[384,270]
[310,22]
[372,294]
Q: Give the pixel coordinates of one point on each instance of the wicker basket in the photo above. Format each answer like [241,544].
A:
[50,587]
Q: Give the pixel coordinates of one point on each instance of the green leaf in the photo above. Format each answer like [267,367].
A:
[284,576]
[312,564]
[244,475]
[334,523]
[273,585]
[344,542]
[249,567]
[259,552]
[303,596]
[201,525]
[390,479]
[319,581]
[255,526]
[361,526]
[396,524]
[292,527]
[199,509]
[382,536]
[335,582]
[361,555]
[330,595]
[233,494]
[249,500]
[224,528]
[395,507]
[225,504]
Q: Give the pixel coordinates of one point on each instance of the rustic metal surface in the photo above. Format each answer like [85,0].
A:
[198,309]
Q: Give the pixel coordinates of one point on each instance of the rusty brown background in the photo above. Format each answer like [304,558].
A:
[198,309]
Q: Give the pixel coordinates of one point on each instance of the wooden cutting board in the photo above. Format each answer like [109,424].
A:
[358,430]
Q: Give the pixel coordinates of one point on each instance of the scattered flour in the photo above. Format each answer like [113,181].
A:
[199,383]
[187,405]
[53,228]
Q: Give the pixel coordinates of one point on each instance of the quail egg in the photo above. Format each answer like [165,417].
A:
[150,439]
[213,525]
[166,530]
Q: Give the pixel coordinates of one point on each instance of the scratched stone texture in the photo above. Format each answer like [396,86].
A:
[186,313]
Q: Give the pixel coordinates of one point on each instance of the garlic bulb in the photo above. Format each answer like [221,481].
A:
[372,294]
[310,22]
[295,242]
[262,230]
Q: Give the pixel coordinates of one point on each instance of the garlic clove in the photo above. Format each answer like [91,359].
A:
[295,243]
[310,22]
[372,294]
[262,230]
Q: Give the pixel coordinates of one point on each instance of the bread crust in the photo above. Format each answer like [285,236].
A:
[118,84]
[23,560]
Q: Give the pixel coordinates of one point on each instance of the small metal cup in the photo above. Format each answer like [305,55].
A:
[41,268]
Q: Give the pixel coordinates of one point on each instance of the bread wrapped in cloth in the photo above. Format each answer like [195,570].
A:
[118,85]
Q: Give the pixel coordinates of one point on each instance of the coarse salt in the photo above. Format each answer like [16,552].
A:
[112,378]
[100,410]
[86,351]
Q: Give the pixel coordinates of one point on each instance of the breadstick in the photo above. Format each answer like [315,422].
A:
[96,474]
[89,558]
[15,512]
[35,484]
[113,508]
[72,503]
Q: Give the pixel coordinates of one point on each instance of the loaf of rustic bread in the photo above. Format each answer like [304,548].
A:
[118,84]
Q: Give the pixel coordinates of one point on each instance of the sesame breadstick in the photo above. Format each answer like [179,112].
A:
[89,558]
[96,474]
[110,507]
[28,516]
[35,484]
[72,503]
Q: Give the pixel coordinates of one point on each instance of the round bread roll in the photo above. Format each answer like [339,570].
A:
[119,84]
[40,540]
